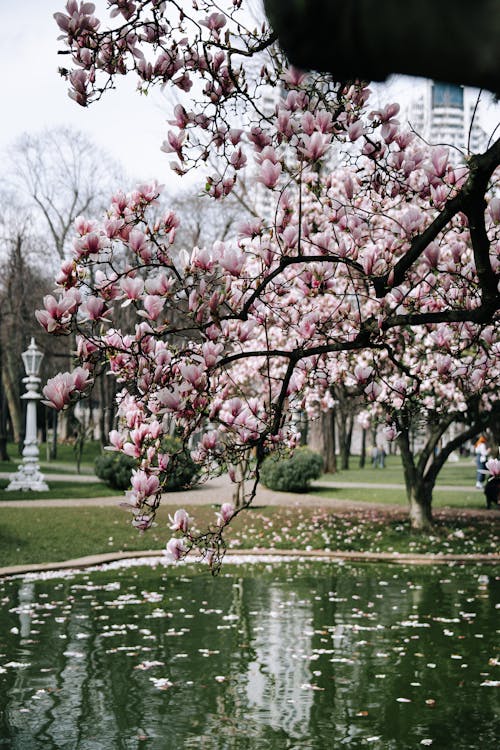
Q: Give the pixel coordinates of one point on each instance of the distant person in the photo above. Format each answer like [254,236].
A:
[482,452]
[381,454]
[374,454]
[492,492]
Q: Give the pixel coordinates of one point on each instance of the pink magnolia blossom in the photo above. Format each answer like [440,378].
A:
[211,353]
[214,22]
[58,390]
[142,521]
[232,261]
[362,373]
[143,484]
[315,146]
[494,210]
[153,305]
[94,307]
[176,549]
[180,521]
[132,287]
[227,511]
[269,173]
[391,432]
[81,378]
[192,374]
[117,440]
[493,466]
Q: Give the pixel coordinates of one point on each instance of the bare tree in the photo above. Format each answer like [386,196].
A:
[55,176]
[64,174]
[22,286]
[204,221]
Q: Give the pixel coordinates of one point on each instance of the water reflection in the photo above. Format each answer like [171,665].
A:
[287,656]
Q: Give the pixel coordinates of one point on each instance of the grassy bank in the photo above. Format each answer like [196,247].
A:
[65,461]
[454,473]
[49,535]
[59,490]
[441,499]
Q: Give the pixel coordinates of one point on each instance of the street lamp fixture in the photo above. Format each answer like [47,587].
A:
[28,476]
[32,359]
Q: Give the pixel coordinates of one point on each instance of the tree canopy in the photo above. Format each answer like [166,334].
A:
[371,257]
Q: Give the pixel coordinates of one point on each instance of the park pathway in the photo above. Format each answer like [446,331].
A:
[220,490]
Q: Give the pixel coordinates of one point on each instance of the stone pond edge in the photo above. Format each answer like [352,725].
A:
[321,555]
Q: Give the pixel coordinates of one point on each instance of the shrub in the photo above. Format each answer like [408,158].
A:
[182,470]
[116,468]
[291,474]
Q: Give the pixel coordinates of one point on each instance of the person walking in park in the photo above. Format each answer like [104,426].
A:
[381,454]
[482,453]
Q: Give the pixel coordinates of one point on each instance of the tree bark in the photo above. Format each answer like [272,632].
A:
[420,501]
[321,438]
[345,424]
[329,458]
[13,405]
[362,457]
[418,490]
[4,456]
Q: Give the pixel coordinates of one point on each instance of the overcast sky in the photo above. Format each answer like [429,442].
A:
[128,126]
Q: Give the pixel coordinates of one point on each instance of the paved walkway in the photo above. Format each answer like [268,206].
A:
[220,490]
[214,492]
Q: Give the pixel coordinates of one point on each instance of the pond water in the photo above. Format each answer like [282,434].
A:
[309,656]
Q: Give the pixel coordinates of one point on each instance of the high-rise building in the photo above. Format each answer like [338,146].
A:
[445,114]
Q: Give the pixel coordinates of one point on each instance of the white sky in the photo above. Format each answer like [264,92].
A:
[128,126]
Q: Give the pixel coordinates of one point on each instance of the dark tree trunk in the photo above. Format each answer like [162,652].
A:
[362,457]
[53,448]
[420,501]
[321,438]
[345,424]
[329,458]
[4,456]
[418,491]
[421,472]
[107,398]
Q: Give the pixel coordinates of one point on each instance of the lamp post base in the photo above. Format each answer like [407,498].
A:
[28,477]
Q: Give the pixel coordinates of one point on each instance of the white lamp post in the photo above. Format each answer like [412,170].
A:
[28,476]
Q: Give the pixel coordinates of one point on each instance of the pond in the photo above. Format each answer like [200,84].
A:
[300,655]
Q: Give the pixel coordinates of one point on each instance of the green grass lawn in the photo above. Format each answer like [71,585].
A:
[49,535]
[455,474]
[462,472]
[59,490]
[65,462]
[441,499]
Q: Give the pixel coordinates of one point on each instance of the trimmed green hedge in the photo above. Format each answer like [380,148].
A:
[291,474]
[116,468]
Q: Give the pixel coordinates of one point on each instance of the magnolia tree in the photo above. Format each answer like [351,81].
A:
[446,389]
[372,257]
